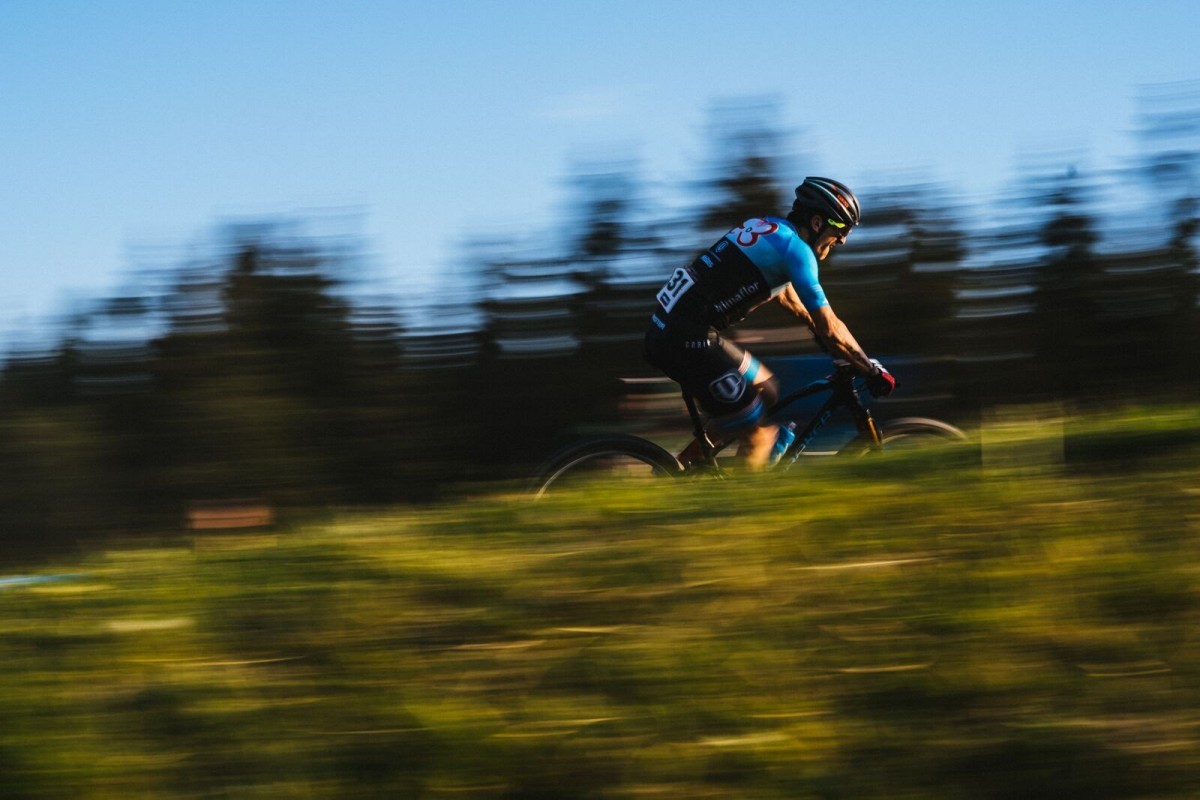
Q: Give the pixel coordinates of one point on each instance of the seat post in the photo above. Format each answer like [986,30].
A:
[706,444]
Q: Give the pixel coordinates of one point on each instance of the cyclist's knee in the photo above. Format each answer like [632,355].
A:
[744,422]
[768,391]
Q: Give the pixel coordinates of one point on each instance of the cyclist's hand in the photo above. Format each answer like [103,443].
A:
[880,382]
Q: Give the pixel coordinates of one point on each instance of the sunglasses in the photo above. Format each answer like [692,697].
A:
[842,228]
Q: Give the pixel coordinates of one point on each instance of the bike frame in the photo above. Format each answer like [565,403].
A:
[843,394]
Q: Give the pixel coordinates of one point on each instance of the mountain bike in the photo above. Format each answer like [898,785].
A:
[621,457]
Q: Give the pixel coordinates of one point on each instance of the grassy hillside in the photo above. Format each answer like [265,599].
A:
[900,628]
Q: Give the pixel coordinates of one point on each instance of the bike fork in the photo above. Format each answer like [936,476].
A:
[873,432]
[866,424]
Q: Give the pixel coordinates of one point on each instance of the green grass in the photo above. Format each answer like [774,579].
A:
[903,628]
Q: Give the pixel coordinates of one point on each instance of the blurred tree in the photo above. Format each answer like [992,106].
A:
[607,195]
[41,378]
[1169,169]
[744,180]
[1169,133]
[57,484]
[1066,318]
[287,390]
[1185,266]
[618,263]
[377,416]
[560,331]
[894,281]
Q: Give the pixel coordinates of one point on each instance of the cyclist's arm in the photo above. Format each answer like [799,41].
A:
[832,334]
[790,300]
[807,292]
[838,339]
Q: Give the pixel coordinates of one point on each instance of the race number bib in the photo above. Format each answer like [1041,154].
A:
[680,281]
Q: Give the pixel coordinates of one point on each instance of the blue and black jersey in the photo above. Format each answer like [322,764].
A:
[745,268]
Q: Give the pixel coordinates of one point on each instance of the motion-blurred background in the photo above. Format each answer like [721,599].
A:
[303,256]
[292,294]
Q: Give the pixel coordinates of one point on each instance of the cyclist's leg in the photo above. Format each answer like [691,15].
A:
[757,434]
[735,389]
[683,352]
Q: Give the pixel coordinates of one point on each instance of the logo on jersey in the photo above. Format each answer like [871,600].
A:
[741,294]
[680,281]
[728,388]
[749,234]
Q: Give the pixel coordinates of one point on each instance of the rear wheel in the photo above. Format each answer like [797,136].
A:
[613,461]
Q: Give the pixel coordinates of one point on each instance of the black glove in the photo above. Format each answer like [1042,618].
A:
[880,382]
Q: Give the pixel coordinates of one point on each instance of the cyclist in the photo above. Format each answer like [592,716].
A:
[762,259]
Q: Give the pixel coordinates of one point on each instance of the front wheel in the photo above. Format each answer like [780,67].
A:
[909,433]
[613,460]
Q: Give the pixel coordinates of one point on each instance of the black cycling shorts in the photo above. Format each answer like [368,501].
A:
[715,371]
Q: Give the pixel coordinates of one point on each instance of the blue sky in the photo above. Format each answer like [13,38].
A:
[133,124]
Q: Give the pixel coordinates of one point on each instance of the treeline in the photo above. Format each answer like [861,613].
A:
[265,372]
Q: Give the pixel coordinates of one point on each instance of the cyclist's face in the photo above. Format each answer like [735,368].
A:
[828,237]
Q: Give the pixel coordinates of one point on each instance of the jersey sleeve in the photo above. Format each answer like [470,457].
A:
[801,265]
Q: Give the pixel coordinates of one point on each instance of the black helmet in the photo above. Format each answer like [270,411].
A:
[829,197]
